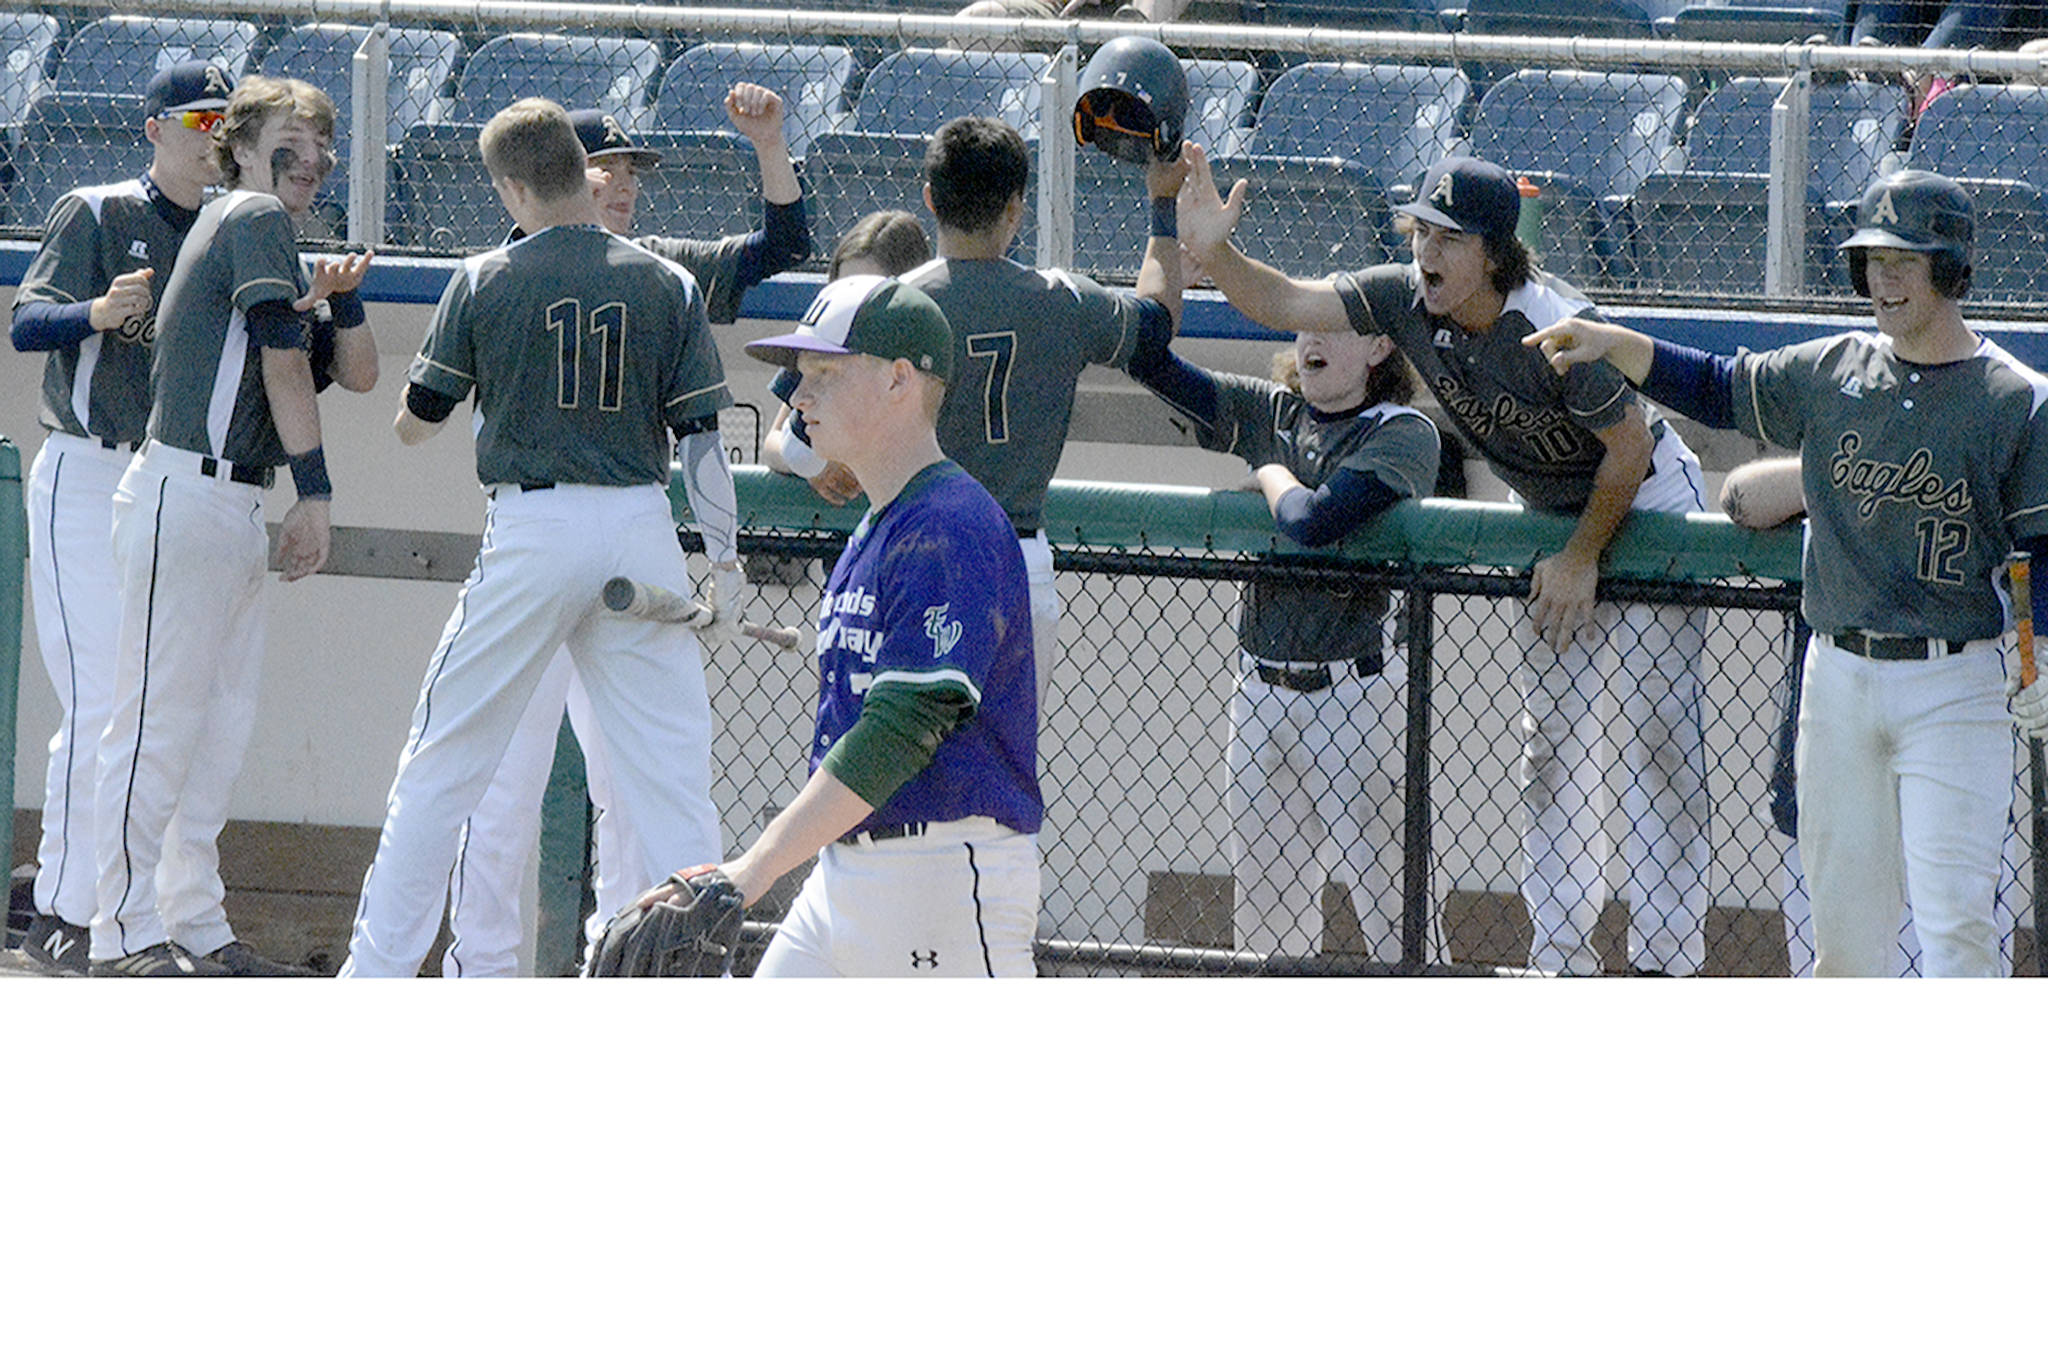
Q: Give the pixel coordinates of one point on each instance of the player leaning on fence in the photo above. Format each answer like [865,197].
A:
[1579,445]
[1924,461]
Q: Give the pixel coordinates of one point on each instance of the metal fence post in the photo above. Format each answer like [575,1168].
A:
[13,562]
[1056,161]
[1419,618]
[370,88]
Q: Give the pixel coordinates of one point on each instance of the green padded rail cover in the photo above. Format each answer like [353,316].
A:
[1440,532]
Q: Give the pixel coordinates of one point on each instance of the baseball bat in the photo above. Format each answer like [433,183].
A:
[630,598]
[2021,569]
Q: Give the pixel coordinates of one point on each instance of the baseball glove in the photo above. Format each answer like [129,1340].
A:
[689,931]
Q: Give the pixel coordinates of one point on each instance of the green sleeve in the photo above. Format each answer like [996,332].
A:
[899,729]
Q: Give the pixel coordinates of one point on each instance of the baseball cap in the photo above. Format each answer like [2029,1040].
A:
[868,315]
[187,85]
[603,135]
[1470,195]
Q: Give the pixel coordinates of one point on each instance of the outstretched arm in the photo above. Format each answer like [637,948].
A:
[1257,290]
[1764,493]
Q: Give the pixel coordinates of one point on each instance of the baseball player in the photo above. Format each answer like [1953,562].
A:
[1760,494]
[886,242]
[585,352]
[1022,337]
[483,904]
[88,300]
[1581,445]
[1315,750]
[234,378]
[1924,459]
[922,805]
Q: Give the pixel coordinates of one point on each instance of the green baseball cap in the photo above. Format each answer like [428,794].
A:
[868,315]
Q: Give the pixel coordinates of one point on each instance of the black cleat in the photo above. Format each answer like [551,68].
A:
[165,959]
[57,946]
[237,958]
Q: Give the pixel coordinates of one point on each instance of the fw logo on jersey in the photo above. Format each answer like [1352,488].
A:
[945,634]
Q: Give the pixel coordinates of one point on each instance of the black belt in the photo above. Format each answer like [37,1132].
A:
[880,832]
[535,485]
[1895,647]
[1318,678]
[255,477]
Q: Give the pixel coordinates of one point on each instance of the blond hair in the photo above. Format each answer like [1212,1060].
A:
[533,142]
[251,107]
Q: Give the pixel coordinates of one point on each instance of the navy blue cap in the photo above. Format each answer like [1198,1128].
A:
[1470,195]
[187,85]
[603,135]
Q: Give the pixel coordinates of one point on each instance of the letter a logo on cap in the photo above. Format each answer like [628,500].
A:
[1441,195]
[1884,212]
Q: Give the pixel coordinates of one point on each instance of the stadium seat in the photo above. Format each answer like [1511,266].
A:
[1220,98]
[876,161]
[1587,140]
[422,62]
[916,90]
[25,43]
[1704,228]
[851,175]
[1994,139]
[73,140]
[441,199]
[577,71]
[1332,143]
[812,81]
[117,56]
[1760,21]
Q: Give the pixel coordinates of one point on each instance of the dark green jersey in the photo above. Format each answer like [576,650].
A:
[715,265]
[100,386]
[208,375]
[1917,478]
[1267,423]
[1537,428]
[1020,341]
[584,349]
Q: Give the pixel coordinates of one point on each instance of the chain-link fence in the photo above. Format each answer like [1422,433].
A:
[1662,159]
[1361,825]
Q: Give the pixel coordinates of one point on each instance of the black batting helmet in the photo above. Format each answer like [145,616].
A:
[1133,102]
[1915,211]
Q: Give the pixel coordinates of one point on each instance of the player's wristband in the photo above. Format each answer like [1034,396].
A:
[347,309]
[809,464]
[309,474]
[1165,217]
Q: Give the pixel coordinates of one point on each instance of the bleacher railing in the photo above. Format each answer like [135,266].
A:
[1662,169]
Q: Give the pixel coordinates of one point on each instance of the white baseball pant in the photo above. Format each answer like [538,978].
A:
[191,553]
[545,557]
[1647,660]
[1315,795]
[959,900]
[1045,611]
[1894,807]
[76,597]
[498,838]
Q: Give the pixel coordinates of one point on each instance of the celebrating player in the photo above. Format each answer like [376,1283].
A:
[89,300]
[1924,460]
[1022,337]
[483,906]
[234,380]
[1315,740]
[922,805]
[585,352]
[1581,446]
